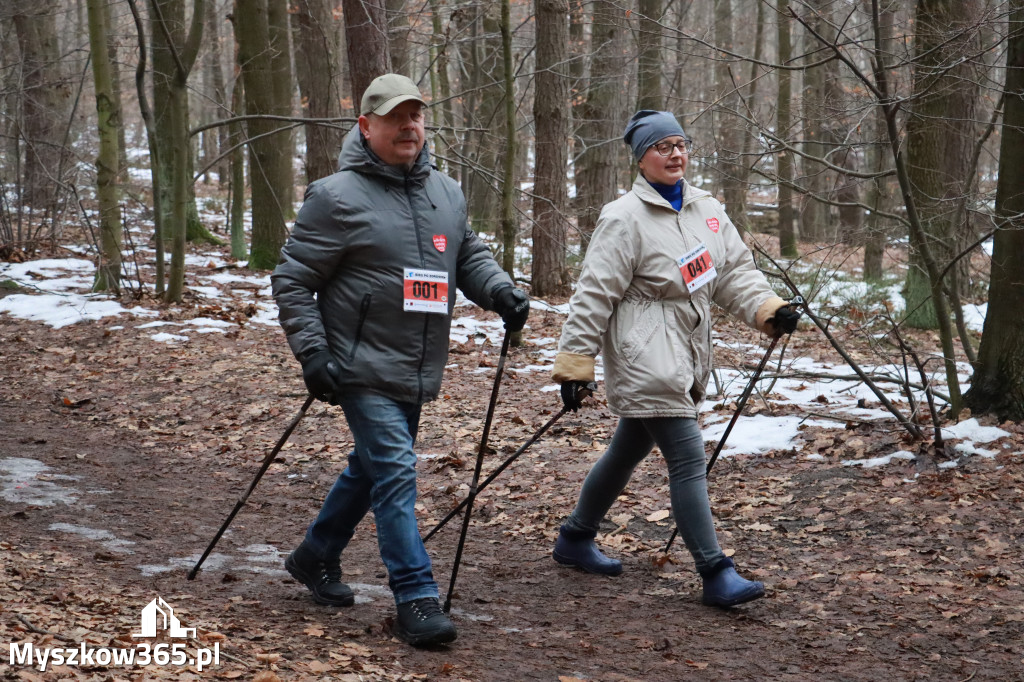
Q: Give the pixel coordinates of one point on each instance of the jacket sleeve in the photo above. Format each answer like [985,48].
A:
[742,289]
[477,273]
[607,272]
[309,260]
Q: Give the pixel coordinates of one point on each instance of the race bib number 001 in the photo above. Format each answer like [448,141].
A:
[697,268]
[426,291]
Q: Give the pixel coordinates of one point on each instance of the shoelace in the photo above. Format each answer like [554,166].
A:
[330,575]
[426,608]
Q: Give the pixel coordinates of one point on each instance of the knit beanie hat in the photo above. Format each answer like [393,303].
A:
[647,127]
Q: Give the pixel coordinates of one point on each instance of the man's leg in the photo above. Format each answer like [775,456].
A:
[385,431]
[316,563]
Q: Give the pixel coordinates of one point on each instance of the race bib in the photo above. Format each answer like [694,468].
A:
[426,291]
[697,268]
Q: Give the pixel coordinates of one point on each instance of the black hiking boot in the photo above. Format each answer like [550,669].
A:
[322,580]
[421,622]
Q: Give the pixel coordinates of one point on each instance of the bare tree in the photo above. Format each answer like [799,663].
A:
[108,274]
[318,68]
[44,92]
[551,125]
[998,382]
[366,39]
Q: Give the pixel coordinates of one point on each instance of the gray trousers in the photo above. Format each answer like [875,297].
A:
[680,442]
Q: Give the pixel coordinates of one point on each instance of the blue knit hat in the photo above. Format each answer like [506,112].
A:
[648,127]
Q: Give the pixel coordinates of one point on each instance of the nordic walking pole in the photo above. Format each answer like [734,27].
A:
[494,474]
[479,465]
[797,300]
[267,461]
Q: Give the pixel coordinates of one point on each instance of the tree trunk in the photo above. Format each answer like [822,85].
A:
[784,160]
[175,48]
[366,38]
[269,200]
[317,61]
[398,36]
[214,141]
[649,56]
[44,102]
[236,139]
[440,88]
[596,172]
[484,149]
[998,383]
[731,170]
[110,23]
[108,274]
[509,224]
[551,123]
[815,215]
[940,139]
[878,196]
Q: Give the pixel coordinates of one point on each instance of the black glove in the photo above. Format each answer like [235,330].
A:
[513,305]
[785,320]
[321,372]
[573,393]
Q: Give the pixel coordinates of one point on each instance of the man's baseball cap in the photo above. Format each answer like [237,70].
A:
[388,91]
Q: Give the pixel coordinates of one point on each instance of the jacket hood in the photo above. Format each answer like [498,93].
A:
[357,156]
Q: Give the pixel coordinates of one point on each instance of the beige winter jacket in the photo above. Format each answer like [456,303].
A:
[632,304]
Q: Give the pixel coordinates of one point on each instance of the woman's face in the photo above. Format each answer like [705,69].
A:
[666,170]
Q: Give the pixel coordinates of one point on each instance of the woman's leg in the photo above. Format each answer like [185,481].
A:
[608,478]
[680,442]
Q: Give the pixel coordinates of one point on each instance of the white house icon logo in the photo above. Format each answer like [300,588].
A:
[158,611]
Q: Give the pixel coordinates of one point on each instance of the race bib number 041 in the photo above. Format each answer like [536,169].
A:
[697,268]
[426,291]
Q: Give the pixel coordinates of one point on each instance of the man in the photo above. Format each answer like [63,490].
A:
[366,287]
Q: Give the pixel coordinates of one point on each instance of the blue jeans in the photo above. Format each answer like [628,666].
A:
[682,446]
[381,475]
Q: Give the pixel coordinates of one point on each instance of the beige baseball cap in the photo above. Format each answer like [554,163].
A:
[388,91]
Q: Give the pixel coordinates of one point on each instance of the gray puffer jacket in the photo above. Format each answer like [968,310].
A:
[340,282]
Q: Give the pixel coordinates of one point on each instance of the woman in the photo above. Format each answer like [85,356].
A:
[658,258]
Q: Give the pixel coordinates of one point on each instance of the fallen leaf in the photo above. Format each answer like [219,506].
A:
[659,515]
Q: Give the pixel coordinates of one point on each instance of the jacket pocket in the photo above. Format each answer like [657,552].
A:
[364,308]
[643,325]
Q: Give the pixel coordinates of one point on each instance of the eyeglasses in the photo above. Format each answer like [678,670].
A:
[666,148]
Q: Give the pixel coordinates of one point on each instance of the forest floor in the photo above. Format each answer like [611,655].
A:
[121,456]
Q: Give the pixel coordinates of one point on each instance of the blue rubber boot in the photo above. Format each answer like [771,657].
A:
[724,587]
[577,548]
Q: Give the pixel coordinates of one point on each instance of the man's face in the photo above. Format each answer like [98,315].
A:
[398,136]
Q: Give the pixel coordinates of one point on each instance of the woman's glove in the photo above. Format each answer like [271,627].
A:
[321,372]
[785,319]
[573,393]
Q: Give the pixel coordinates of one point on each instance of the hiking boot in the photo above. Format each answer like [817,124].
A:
[577,548]
[724,587]
[421,622]
[323,580]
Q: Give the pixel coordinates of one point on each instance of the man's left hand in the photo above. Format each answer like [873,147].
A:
[514,307]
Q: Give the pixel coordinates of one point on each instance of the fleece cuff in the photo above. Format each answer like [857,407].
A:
[573,367]
[766,315]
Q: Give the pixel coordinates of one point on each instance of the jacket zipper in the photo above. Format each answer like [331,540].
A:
[426,318]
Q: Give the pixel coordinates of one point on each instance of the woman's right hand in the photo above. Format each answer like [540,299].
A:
[574,392]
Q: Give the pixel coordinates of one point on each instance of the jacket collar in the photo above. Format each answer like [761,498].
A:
[356,156]
[649,195]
